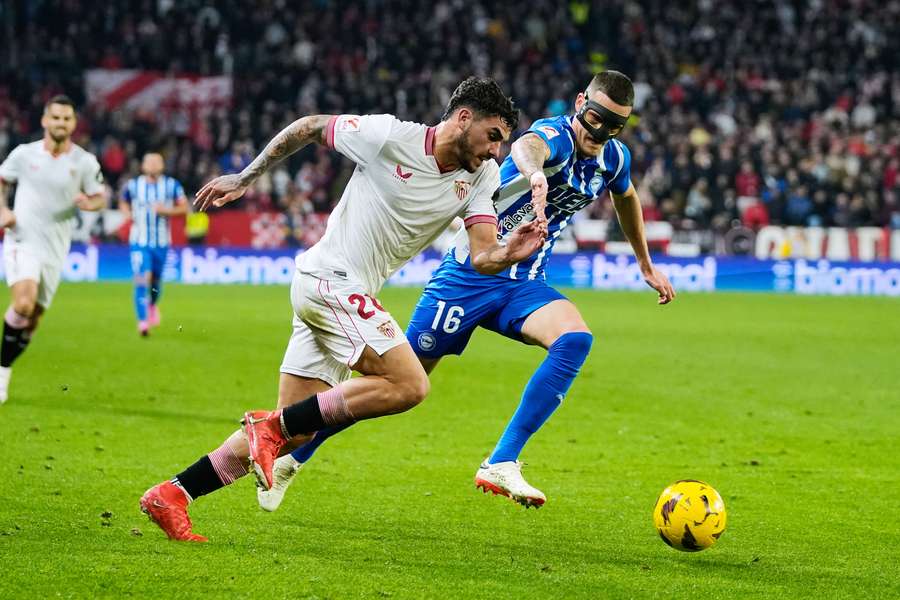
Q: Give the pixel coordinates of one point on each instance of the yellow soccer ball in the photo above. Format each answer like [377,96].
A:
[689,515]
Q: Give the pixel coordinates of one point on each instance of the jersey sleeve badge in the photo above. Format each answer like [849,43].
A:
[349,124]
[548,131]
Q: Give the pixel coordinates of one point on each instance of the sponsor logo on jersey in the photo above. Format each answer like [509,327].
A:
[548,131]
[461,188]
[349,124]
[387,329]
[510,222]
[400,176]
[426,341]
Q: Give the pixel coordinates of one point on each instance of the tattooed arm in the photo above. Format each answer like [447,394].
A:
[228,188]
[529,153]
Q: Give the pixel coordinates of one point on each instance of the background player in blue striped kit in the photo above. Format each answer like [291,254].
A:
[148,201]
[559,166]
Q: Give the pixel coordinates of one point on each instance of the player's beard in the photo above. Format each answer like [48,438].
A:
[467,156]
[590,140]
[59,137]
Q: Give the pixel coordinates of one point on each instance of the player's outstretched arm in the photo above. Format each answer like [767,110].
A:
[628,209]
[490,257]
[228,188]
[530,152]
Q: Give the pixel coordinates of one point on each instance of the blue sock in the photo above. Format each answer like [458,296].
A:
[544,392]
[305,452]
[140,301]
[155,290]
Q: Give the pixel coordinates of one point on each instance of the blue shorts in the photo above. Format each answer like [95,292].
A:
[458,299]
[144,259]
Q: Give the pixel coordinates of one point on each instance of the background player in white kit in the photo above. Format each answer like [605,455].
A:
[410,182]
[54,179]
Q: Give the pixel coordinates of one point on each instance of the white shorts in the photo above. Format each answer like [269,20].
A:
[334,320]
[21,263]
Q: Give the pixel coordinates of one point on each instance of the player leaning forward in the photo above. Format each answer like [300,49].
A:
[54,179]
[410,182]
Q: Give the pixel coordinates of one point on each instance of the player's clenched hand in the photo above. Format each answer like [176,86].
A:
[7,218]
[219,192]
[539,197]
[524,241]
[659,282]
[83,201]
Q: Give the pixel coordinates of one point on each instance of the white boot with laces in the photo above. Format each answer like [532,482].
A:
[286,467]
[505,479]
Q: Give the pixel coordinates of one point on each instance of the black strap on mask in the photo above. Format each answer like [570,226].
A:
[608,120]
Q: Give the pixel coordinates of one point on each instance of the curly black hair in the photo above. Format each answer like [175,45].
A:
[484,97]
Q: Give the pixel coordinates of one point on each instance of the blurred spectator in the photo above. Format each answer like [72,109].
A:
[755,215]
[699,205]
[746,182]
[114,160]
[236,159]
[799,207]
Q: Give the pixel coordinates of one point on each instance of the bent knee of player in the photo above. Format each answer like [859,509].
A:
[572,348]
[579,327]
[420,389]
[570,327]
[410,392]
[24,305]
[141,278]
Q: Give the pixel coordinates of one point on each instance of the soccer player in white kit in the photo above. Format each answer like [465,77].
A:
[54,179]
[410,182]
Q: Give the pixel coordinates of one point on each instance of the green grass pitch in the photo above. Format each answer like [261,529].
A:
[789,406]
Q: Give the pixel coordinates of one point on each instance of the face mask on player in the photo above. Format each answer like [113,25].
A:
[608,121]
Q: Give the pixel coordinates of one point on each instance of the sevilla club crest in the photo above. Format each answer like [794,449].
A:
[461,188]
[387,329]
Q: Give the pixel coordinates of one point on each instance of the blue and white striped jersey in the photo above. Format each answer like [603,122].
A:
[148,229]
[573,183]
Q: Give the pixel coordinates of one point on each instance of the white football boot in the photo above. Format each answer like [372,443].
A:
[505,479]
[5,374]
[283,474]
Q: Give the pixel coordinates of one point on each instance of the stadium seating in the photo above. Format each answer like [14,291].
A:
[730,129]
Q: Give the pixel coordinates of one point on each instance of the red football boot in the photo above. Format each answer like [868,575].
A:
[166,505]
[263,429]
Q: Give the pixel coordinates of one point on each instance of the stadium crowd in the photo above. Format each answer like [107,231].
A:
[733,122]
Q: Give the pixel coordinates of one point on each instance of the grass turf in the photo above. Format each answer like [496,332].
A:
[787,405]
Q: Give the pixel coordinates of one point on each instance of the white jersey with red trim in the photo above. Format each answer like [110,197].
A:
[45,196]
[397,202]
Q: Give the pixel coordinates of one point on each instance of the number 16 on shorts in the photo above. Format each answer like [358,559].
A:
[451,321]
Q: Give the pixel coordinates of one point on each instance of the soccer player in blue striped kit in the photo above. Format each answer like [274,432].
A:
[148,201]
[558,167]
